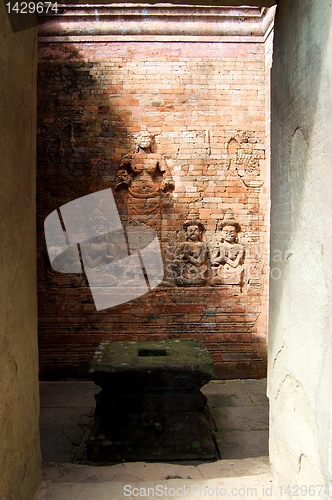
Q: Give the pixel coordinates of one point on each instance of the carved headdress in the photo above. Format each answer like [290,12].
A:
[97,223]
[143,138]
[194,222]
[229,220]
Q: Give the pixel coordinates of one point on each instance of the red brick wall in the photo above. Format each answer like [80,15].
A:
[198,100]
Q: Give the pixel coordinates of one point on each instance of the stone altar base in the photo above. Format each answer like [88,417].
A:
[150,406]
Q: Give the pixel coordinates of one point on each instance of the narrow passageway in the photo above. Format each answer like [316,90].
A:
[300,350]
[203,102]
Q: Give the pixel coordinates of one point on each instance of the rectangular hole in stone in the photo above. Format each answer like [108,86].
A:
[152,352]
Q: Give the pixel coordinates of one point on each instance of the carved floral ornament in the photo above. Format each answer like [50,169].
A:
[244,157]
[58,140]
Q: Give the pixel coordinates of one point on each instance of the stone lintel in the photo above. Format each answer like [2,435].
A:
[155,23]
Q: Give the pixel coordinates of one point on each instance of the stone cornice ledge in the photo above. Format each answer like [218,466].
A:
[163,22]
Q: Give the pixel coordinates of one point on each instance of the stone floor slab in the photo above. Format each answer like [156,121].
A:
[66,394]
[56,446]
[59,418]
[242,444]
[242,418]
[256,390]
[227,393]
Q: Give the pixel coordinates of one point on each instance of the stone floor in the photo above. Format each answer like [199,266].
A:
[240,411]
[239,408]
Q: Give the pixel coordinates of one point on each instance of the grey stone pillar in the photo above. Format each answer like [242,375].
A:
[300,341]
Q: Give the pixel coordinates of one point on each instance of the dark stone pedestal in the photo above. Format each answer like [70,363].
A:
[150,406]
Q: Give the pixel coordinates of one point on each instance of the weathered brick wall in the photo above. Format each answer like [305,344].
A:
[205,106]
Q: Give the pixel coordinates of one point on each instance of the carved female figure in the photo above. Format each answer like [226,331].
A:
[138,171]
[227,258]
[98,253]
[190,263]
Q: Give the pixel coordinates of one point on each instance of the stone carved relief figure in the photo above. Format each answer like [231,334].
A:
[66,270]
[138,171]
[190,263]
[67,262]
[106,131]
[98,253]
[228,256]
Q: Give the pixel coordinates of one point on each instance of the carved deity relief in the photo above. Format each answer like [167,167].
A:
[99,252]
[191,256]
[138,172]
[228,255]
[106,130]
[67,269]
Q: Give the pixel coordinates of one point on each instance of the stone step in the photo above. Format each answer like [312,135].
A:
[235,479]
